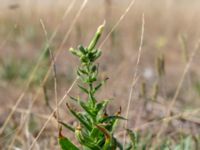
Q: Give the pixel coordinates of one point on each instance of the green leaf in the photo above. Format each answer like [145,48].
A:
[66,144]
[111,118]
[79,117]
[82,49]
[83,89]
[102,105]
[95,133]
[108,137]
[86,140]
[75,52]
[94,51]
[94,68]
[73,98]
[97,55]
[67,126]
[84,59]
[81,70]
[86,108]
[98,86]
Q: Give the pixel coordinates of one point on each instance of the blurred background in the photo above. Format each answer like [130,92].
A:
[27,27]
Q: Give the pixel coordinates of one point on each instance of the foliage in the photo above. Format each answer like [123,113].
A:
[96,128]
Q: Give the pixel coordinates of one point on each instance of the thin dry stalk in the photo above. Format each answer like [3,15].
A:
[55,85]
[52,114]
[46,97]
[73,23]
[54,72]
[134,79]
[182,115]
[42,116]
[62,20]
[118,22]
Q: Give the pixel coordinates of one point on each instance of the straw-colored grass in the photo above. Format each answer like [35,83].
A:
[166,105]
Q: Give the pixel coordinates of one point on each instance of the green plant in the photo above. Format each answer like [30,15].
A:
[96,128]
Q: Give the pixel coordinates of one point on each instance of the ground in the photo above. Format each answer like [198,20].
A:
[171,33]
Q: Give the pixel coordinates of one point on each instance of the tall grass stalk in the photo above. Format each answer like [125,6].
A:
[135,77]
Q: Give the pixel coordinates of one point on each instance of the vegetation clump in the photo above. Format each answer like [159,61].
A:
[96,128]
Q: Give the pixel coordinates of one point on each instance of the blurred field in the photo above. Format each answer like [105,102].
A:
[171,30]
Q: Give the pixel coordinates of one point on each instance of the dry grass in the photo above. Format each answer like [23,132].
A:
[69,23]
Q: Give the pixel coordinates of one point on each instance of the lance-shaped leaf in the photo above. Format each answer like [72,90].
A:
[100,85]
[84,106]
[85,140]
[83,89]
[97,55]
[73,98]
[87,109]
[114,123]
[87,118]
[94,68]
[65,143]
[94,51]
[108,137]
[102,105]
[82,71]
[79,117]
[82,49]
[96,133]
[112,118]
[84,59]
[75,52]
[67,126]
